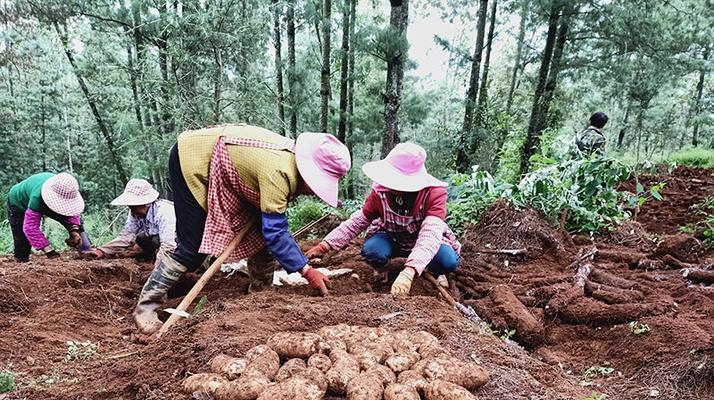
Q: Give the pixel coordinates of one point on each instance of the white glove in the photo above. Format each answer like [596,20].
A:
[403,284]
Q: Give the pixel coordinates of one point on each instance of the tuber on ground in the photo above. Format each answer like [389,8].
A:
[344,369]
[468,375]
[205,382]
[401,391]
[443,390]
[384,373]
[529,330]
[320,361]
[402,361]
[295,344]
[366,386]
[699,275]
[561,300]
[315,376]
[248,387]
[232,367]
[413,379]
[296,388]
[289,369]
[264,360]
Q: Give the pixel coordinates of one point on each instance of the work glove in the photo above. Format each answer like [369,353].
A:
[99,254]
[403,284]
[318,251]
[74,239]
[50,252]
[316,279]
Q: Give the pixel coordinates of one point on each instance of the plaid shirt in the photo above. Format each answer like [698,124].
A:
[418,234]
[160,220]
[233,205]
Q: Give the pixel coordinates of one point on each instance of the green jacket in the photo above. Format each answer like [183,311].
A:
[590,141]
[28,193]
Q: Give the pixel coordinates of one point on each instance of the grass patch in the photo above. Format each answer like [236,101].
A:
[7,381]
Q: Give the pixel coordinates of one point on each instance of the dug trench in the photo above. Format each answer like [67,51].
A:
[549,338]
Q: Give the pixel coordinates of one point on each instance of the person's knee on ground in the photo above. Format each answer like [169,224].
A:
[261,268]
[445,261]
[167,272]
[377,250]
[149,246]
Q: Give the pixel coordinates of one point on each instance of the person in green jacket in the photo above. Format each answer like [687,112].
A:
[45,194]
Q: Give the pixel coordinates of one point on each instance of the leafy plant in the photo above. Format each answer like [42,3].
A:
[508,334]
[599,371]
[470,196]
[7,381]
[80,350]
[638,328]
[595,395]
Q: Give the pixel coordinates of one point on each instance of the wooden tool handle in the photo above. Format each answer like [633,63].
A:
[429,277]
[191,296]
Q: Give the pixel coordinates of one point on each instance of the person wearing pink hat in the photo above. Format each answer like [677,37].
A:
[234,182]
[150,226]
[404,215]
[45,194]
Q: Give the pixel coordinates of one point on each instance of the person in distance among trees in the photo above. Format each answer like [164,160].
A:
[591,140]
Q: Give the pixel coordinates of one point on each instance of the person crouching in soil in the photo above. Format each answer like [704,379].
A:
[150,226]
[404,215]
[234,182]
[45,194]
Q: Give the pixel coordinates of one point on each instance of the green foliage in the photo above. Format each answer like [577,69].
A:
[470,195]
[595,395]
[599,370]
[80,350]
[7,381]
[694,157]
[305,210]
[706,225]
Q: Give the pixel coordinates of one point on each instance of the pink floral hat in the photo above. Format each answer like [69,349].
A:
[322,160]
[138,192]
[403,169]
[61,194]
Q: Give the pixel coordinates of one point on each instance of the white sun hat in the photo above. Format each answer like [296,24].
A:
[402,169]
[61,194]
[138,192]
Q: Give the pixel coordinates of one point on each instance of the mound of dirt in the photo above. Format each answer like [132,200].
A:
[632,234]
[503,226]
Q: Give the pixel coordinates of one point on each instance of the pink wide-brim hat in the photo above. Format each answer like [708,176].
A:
[402,170]
[61,194]
[138,192]
[322,160]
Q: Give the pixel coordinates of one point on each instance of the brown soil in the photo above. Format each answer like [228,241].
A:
[46,303]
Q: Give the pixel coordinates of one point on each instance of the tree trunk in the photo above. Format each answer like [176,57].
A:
[698,101]
[483,89]
[621,134]
[398,19]
[103,128]
[344,72]
[349,139]
[462,158]
[519,51]
[325,72]
[292,85]
[217,84]
[277,43]
[531,145]
[43,129]
[134,87]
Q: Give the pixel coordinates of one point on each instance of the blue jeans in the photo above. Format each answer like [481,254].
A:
[378,249]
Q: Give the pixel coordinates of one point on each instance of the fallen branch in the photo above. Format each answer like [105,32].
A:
[309,226]
[561,300]
[699,275]
[588,255]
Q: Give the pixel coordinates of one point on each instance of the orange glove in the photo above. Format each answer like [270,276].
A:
[318,251]
[316,279]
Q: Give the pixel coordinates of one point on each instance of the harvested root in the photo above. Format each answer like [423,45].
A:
[204,383]
[290,369]
[344,368]
[699,275]
[371,353]
[295,344]
[561,300]
[412,378]
[402,361]
[588,311]
[262,360]
[315,376]
[684,247]
[232,367]
[443,390]
[249,386]
[293,389]
[384,373]
[674,263]
[649,265]
[366,386]
[611,294]
[320,361]
[624,257]
[605,278]
[432,351]
[468,375]
[529,330]
[400,391]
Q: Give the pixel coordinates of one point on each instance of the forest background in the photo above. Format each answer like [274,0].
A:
[495,90]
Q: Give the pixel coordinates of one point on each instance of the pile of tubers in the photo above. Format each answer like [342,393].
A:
[359,363]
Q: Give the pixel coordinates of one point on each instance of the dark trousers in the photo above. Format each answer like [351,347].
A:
[149,245]
[379,248]
[190,217]
[16,217]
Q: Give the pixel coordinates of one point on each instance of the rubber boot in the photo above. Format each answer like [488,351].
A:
[166,273]
[260,270]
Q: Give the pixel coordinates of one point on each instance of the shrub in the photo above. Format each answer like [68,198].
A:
[694,157]
[7,381]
